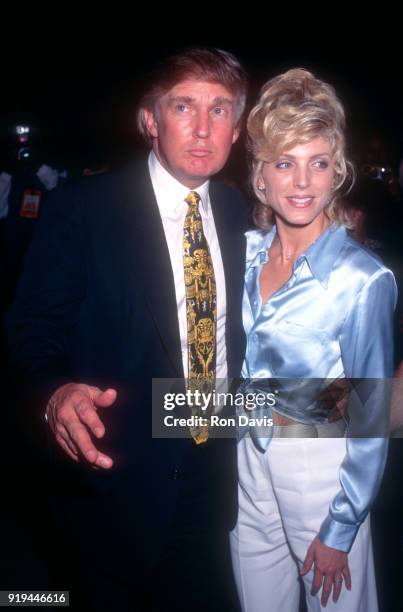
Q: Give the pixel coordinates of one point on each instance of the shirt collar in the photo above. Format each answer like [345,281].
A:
[170,193]
[320,256]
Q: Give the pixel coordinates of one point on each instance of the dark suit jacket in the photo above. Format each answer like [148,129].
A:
[96,304]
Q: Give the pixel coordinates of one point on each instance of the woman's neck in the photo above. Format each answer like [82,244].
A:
[293,240]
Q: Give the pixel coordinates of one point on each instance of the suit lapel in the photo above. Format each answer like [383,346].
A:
[148,253]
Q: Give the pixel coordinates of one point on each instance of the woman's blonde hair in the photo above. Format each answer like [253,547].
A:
[294,108]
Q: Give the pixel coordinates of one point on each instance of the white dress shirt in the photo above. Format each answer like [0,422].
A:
[170,195]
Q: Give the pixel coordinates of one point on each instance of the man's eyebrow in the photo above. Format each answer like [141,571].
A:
[221,100]
[181,99]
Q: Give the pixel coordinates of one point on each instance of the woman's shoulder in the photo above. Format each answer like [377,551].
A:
[362,271]
[362,259]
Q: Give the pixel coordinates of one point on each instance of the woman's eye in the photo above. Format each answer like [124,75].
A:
[182,108]
[322,164]
[283,164]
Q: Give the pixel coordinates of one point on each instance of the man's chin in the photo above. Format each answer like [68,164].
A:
[200,172]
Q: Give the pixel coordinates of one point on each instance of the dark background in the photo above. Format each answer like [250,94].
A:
[76,77]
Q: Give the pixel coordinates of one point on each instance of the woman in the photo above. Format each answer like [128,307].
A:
[316,306]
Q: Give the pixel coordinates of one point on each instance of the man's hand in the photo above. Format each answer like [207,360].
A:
[72,416]
[330,568]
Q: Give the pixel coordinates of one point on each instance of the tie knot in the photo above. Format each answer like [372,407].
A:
[193,199]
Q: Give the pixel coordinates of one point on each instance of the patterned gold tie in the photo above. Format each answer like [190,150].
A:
[201,310]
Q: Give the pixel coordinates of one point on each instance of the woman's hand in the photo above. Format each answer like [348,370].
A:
[330,568]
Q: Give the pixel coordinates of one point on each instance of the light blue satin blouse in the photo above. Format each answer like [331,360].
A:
[331,319]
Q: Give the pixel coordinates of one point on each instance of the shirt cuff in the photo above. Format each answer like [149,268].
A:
[338,535]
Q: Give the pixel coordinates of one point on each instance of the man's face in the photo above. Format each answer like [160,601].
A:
[193,129]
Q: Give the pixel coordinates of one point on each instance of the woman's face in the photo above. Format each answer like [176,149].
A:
[298,184]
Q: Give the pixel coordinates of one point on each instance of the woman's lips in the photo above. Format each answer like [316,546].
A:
[300,201]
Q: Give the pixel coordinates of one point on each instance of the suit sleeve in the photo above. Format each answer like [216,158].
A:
[49,296]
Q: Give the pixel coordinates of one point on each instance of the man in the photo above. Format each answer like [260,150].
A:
[102,308]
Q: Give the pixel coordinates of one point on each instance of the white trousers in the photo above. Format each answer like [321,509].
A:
[284,496]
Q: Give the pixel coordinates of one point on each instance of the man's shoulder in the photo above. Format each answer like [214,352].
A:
[98,191]
[231,198]
[226,190]
[130,173]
